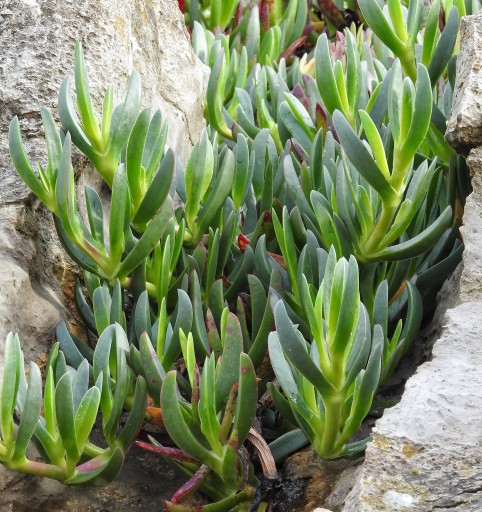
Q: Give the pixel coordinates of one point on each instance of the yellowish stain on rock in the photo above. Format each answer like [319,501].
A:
[409,450]
[468,472]
[142,13]
[381,442]
[120,26]
[375,499]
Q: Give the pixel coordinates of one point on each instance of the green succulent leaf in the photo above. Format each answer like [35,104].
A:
[360,156]
[247,398]
[445,47]
[296,350]
[177,427]
[228,371]
[30,413]
[148,240]
[10,385]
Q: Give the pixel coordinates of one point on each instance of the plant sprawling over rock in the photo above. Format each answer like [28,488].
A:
[255,299]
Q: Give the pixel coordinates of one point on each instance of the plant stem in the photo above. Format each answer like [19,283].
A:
[333,407]
[381,229]
[92,450]
[389,206]
[39,469]
[407,59]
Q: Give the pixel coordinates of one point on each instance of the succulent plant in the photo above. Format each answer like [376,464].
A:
[211,428]
[60,424]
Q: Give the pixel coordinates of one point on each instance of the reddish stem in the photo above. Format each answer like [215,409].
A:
[165,451]
[192,485]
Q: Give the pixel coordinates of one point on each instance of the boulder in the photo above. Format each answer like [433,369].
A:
[464,129]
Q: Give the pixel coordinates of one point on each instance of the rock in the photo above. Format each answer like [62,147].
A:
[470,287]
[464,128]
[29,303]
[427,451]
[37,41]
[309,481]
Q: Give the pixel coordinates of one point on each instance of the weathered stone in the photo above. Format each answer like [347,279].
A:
[464,128]
[37,42]
[321,483]
[470,286]
[427,450]
[28,303]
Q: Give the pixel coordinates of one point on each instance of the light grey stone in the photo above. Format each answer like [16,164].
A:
[37,40]
[464,128]
[427,451]
[28,304]
[470,286]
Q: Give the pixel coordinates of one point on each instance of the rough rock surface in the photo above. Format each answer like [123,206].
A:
[464,129]
[470,287]
[309,481]
[37,40]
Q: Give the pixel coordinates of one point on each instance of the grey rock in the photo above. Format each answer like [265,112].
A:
[470,287]
[464,128]
[28,304]
[427,451]
[37,40]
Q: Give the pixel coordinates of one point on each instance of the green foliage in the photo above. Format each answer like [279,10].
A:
[210,429]
[330,382]
[60,424]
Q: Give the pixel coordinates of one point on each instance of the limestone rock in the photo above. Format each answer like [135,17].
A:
[28,305]
[470,287]
[464,128]
[427,450]
[37,41]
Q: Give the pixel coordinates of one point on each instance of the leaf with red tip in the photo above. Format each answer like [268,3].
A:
[166,451]
[192,485]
